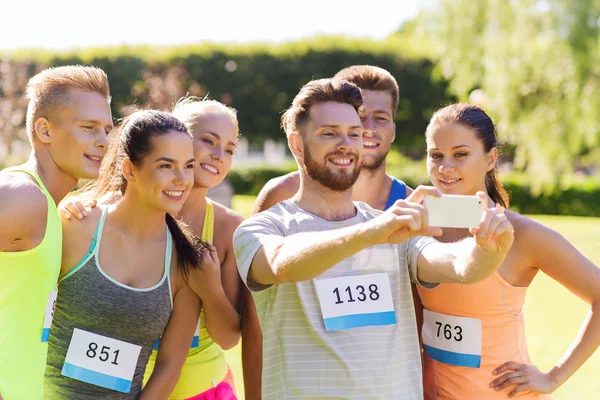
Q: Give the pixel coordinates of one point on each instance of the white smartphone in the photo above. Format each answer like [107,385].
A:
[454,211]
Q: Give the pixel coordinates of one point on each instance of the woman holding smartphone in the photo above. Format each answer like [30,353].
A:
[474,335]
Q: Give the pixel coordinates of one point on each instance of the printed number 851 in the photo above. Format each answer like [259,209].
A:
[91,353]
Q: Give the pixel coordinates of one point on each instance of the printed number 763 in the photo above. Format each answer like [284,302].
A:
[447,331]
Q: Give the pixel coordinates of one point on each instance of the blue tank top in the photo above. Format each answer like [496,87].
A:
[398,192]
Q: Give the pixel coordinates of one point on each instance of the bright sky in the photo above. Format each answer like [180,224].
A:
[61,24]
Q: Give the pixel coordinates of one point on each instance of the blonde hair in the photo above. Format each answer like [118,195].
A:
[189,109]
[48,92]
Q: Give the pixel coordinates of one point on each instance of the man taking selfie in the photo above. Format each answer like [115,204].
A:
[331,277]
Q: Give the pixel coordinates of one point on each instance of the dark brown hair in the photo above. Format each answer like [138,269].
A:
[315,92]
[133,140]
[369,77]
[475,118]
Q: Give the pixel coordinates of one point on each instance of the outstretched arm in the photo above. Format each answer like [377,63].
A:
[471,259]
[266,257]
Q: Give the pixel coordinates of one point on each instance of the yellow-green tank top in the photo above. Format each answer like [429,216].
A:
[27,278]
[205,366]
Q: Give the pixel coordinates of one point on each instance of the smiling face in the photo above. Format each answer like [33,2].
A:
[78,134]
[456,159]
[215,138]
[165,175]
[332,145]
[379,127]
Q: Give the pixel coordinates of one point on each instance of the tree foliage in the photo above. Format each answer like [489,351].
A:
[538,64]
[259,80]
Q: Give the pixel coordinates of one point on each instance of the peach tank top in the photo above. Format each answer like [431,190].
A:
[470,330]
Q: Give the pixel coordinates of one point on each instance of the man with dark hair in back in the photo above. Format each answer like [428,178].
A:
[374,186]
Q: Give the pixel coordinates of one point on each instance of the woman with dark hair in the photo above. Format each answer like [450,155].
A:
[205,374]
[474,335]
[120,288]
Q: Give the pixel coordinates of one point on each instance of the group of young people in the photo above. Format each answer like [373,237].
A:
[337,285]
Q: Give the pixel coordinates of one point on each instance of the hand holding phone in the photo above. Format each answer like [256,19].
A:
[454,211]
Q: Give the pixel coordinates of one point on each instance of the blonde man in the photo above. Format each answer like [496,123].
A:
[68,119]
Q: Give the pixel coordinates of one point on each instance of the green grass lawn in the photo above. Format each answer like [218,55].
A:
[552,314]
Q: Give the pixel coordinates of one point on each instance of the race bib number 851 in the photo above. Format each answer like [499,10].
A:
[355,301]
[101,361]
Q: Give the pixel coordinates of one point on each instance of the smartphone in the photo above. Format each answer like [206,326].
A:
[454,211]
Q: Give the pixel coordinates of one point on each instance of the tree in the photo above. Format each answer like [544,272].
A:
[537,63]
[14,145]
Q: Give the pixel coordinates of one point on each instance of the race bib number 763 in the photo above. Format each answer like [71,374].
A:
[451,339]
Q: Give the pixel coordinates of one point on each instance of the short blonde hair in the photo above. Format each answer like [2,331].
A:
[48,92]
[189,109]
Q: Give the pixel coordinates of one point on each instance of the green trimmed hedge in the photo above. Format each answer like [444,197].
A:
[580,199]
[259,80]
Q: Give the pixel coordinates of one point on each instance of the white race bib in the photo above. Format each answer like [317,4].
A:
[195,340]
[49,315]
[101,361]
[354,301]
[452,340]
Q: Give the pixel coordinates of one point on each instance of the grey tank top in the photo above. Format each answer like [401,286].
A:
[89,300]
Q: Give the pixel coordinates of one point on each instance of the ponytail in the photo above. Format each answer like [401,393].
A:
[187,245]
[496,190]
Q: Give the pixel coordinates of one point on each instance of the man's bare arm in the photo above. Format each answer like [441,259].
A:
[306,255]
[23,215]
[275,191]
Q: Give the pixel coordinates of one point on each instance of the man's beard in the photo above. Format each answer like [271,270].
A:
[338,182]
[372,164]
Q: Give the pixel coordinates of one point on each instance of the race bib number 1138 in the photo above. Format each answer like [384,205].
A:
[355,301]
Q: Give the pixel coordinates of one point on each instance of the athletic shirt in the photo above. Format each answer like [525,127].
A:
[499,307]
[397,192]
[92,301]
[205,365]
[304,360]
[26,280]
